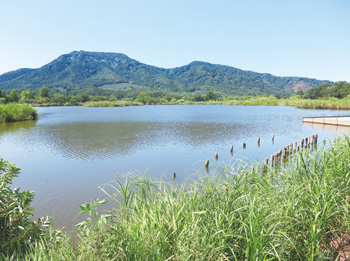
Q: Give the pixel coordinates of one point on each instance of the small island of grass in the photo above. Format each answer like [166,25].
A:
[17,112]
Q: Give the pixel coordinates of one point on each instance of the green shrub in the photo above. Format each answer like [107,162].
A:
[17,230]
[17,112]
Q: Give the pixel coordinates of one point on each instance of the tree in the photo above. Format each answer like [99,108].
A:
[44,92]
[197,97]
[27,96]
[59,99]
[12,97]
[210,96]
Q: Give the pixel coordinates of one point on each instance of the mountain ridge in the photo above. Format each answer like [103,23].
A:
[81,69]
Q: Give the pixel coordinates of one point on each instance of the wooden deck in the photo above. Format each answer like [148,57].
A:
[331,120]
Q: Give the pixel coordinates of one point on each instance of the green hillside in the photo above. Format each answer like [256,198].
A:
[115,71]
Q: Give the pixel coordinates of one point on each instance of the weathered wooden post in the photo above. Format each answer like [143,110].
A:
[295,146]
[273,139]
[216,156]
[244,146]
[174,175]
[258,142]
[316,138]
[291,147]
[231,150]
[272,157]
[264,165]
[207,163]
[306,142]
[302,143]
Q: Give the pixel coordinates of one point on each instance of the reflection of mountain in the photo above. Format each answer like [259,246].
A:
[111,139]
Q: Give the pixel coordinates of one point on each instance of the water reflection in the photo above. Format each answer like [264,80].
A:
[15,126]
[335,128]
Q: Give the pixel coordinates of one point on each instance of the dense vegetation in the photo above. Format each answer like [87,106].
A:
[339,90]
[111,71]
[299,212]
[17,112]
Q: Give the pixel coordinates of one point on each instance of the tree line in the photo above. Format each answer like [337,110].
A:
[45,97]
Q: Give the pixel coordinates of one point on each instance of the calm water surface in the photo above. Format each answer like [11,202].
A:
[70,151]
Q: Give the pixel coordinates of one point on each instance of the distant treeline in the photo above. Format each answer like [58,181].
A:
[325,96]
[44,97]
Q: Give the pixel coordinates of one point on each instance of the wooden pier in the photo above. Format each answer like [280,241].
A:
[330,120]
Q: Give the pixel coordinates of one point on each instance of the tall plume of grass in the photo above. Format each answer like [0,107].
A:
[17,112]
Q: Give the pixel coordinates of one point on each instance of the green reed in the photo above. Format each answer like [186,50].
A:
[17,112]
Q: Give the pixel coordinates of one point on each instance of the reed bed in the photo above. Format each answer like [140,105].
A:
[17,112]
[235,213]
[111,103]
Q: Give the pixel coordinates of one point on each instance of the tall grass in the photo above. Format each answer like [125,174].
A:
[17,112]
[291,213]
[111,103]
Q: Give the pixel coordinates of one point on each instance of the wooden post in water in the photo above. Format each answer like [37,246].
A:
[244,146]
[324,141]
[216,156]
[207,163]
[302,143]
[295,146]
[306,142]
[316,138]
[272,157]
[231,150]
[264,165]
[174,175]
[258,142]
[273,139]
[291,147]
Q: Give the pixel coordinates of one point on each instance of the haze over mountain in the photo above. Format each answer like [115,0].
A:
[116,71]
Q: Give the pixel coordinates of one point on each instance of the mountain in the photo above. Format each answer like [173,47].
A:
[115,71]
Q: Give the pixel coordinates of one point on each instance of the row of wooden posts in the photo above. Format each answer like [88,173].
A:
[307,142]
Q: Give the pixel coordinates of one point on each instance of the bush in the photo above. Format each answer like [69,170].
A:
[17,112]
[17,231]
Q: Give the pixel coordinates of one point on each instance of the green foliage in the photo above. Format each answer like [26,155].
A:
[145,98]
[17,231]
[44,92]
[12,97]
[17,112]
[339,90]
[27,96]
[211,96]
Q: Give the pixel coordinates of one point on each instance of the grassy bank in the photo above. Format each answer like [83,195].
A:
[17,112]
[296,213]
[321,103]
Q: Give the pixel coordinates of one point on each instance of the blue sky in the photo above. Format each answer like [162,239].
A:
[308,38]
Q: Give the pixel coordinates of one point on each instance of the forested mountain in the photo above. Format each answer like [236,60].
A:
[115,71]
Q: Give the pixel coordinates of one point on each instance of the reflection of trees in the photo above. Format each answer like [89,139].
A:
[15,126]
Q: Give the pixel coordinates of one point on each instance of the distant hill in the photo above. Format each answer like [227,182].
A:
[115,71]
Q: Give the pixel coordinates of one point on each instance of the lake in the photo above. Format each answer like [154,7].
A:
[69,152]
